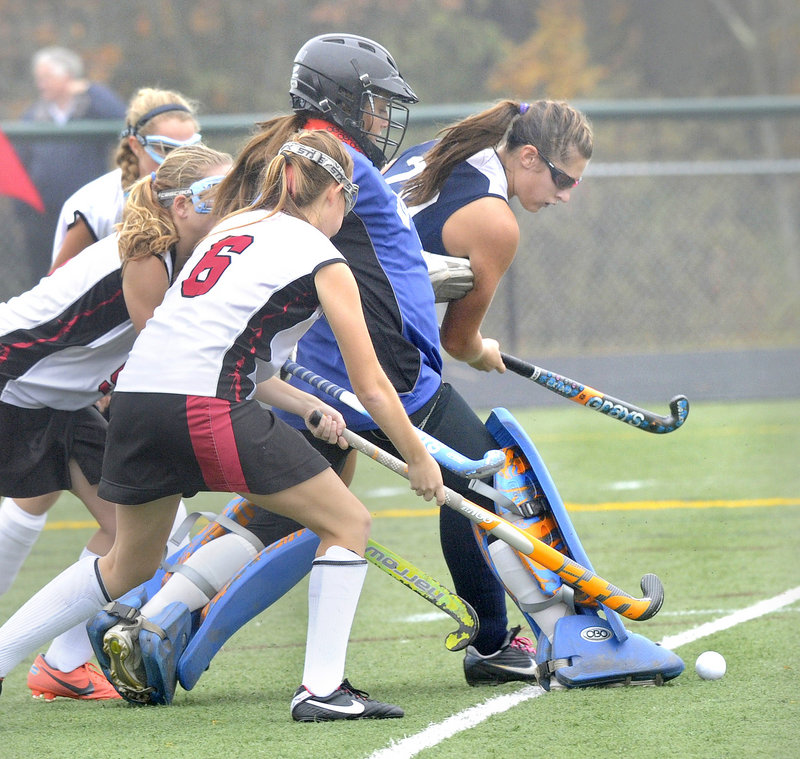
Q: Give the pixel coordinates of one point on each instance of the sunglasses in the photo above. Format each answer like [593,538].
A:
[349,189]
[561,179]
[158,147]
[194,190]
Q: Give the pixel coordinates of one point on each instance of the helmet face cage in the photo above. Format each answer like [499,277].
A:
[354,83]
[383,121]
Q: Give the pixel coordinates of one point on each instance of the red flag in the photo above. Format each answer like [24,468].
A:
[14,180]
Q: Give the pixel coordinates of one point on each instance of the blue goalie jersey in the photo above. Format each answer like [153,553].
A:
[383,250]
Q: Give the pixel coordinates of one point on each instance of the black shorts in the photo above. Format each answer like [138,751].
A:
[160,444]
[36,446]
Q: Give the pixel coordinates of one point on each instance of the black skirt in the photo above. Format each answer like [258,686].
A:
[36,446]
[162,444]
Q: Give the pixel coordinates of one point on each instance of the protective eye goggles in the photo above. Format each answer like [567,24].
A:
[349,189]
[158,147]
[561,179]
[194,190]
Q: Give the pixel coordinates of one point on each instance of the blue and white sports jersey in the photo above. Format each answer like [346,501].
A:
[480,176]
[383,249]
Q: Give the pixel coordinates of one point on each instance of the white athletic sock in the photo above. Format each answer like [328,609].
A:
[72,648]
[18,532]
[216,562]
[333,590]
[72,597]
[524,587]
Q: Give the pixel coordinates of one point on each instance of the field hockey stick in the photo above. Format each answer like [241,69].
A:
[431,590]
[605,404]
[493,461]
[573,574]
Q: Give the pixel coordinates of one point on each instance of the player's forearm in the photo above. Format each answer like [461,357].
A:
[282,395]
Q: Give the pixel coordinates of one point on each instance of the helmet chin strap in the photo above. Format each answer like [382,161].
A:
[328,126]
[323,125]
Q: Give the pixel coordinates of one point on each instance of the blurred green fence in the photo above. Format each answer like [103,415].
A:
[683,236]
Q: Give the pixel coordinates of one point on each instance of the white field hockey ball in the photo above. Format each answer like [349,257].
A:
[710,665]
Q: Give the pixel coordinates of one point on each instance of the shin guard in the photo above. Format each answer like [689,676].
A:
[590,645]
[271,574]
[236,516]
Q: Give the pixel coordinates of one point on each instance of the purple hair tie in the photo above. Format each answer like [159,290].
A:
[523,107]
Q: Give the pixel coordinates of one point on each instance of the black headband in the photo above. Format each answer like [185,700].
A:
[133,130]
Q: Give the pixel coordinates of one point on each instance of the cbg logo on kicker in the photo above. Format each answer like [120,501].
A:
[595,634]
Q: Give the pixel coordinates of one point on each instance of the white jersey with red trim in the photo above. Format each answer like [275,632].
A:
[240,304]
[62,341]
[99,203]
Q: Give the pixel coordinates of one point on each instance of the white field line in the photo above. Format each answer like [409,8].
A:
[434,734]
[440,616]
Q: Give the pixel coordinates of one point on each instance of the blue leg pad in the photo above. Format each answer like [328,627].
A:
[586,652]
[160,653]
[591,647]
[98,625]
[272,573]
[509,434]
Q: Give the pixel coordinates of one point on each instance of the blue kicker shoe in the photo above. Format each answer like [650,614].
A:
[162,647]
[124,610]
[137,655]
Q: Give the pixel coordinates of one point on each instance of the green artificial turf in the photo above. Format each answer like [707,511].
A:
[713,509]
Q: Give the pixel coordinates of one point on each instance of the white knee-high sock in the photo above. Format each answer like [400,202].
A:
[72,648]
[216,562]
[333,590]
[525,589]
[72,597]
[18,532]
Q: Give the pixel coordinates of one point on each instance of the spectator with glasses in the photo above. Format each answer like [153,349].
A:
[458,189]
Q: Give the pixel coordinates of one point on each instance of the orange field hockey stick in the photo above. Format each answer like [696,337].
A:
[572,573]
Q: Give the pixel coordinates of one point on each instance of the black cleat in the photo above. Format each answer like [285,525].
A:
[514,661]
[346,702]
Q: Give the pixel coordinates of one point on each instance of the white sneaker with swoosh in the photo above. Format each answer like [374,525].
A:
[346,702]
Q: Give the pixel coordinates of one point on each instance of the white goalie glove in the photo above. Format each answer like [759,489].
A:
[450,277]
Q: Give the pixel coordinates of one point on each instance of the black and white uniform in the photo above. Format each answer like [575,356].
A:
[98,203]
[182,418]
[479,176]
[62,344]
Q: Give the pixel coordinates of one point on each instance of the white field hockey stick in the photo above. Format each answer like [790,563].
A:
[573,574]
[605,404]
[493,461]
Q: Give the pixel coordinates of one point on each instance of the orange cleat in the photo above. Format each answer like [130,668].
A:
[86,682]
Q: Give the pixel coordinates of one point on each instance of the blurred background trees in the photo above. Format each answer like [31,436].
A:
[684,236]
[234,55]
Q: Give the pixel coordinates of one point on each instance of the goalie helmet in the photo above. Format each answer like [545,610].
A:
[354,82]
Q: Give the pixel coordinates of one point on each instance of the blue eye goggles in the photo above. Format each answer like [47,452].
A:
[157,146]
[194,190]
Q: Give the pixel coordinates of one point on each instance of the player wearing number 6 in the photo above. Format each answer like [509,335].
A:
[186,418]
